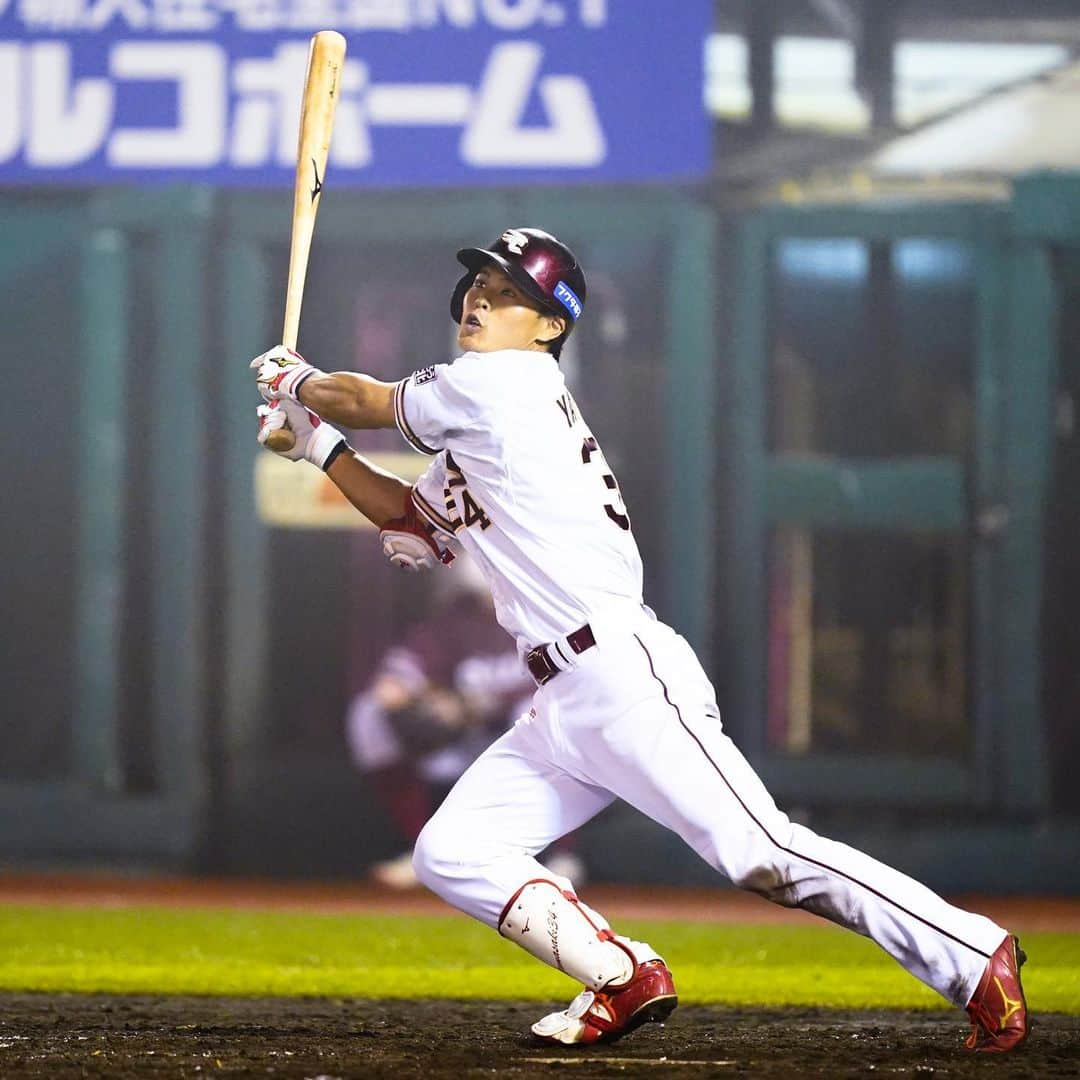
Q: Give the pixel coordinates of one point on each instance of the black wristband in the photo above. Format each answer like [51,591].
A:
[335,454]
[303,379]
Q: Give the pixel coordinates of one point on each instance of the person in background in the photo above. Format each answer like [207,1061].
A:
[437,699]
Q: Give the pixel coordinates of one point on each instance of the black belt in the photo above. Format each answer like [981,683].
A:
[539,662]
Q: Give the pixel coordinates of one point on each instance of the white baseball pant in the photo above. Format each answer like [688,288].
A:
[636,718]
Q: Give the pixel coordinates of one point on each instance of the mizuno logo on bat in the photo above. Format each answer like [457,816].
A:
[317,186]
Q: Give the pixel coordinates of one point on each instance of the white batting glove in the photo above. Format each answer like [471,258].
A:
[411,544]
[411,551]
[279,372]
[315,440]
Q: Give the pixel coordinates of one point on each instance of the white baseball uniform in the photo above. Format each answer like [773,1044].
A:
[521,482]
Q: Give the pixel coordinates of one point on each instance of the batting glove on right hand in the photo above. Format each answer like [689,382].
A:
[315,440]
[279,372]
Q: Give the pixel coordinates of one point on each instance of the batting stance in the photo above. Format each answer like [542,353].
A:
[622,706]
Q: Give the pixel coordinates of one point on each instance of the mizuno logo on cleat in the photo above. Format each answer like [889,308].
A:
[1012,1005]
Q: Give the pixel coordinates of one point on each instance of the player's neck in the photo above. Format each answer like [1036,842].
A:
[538,354]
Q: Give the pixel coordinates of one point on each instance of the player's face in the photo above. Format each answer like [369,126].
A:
[496,314]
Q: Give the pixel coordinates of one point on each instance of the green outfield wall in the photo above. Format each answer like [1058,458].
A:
[843,432]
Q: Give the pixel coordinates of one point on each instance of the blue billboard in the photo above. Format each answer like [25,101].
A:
[433,92]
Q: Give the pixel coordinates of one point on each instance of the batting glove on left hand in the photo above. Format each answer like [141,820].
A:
[279,372]
[410,543]
[315,440]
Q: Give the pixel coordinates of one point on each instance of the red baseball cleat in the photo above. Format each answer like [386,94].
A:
[997,1009]
[609,1014]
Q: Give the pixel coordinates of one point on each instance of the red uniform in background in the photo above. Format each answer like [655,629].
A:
[434,703]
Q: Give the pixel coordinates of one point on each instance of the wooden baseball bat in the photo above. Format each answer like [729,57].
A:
[325,62]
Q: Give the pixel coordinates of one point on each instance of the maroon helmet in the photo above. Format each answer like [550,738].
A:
[545,270]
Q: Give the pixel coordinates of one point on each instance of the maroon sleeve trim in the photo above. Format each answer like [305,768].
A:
[426,510]
[407,432]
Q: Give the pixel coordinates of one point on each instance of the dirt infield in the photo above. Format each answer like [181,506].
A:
[69,1036]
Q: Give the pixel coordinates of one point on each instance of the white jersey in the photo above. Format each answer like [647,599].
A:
[523,486]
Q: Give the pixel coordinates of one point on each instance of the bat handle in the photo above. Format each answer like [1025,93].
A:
[284,439]
[281,440]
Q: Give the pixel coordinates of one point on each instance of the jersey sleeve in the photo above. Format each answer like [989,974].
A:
[429,496]
[435,404]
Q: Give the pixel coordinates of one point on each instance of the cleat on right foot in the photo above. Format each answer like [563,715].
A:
[605,1015]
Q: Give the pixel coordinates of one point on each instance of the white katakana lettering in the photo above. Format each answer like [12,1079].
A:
[184,15]
[267,118]
[11,83]
[414,105]
[132,12]
[69,119]
[496,134]
[593,12]
[311,14]
[198,137]
[51,14]
[256,14]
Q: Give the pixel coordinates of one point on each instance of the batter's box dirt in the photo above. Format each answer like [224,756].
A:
[68,1036]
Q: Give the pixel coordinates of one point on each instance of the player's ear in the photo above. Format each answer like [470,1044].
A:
[554,326]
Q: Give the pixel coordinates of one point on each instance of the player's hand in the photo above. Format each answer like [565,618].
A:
[412,550]
[446,708]
[410,543]
[279,372]
[315,440]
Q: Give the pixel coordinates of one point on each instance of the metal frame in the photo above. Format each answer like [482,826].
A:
[87,813]
[1015,346]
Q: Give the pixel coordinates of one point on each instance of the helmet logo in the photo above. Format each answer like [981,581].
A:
[515,240]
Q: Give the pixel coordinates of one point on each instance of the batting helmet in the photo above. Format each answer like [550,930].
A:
[545,269]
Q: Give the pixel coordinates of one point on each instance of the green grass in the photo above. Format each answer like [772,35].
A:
[160,951]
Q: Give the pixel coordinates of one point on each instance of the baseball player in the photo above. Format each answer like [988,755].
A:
[622,707]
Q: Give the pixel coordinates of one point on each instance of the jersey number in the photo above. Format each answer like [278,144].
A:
[474,512]
[615,510]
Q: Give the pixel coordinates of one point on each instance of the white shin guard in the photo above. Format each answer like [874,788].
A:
[557,928]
